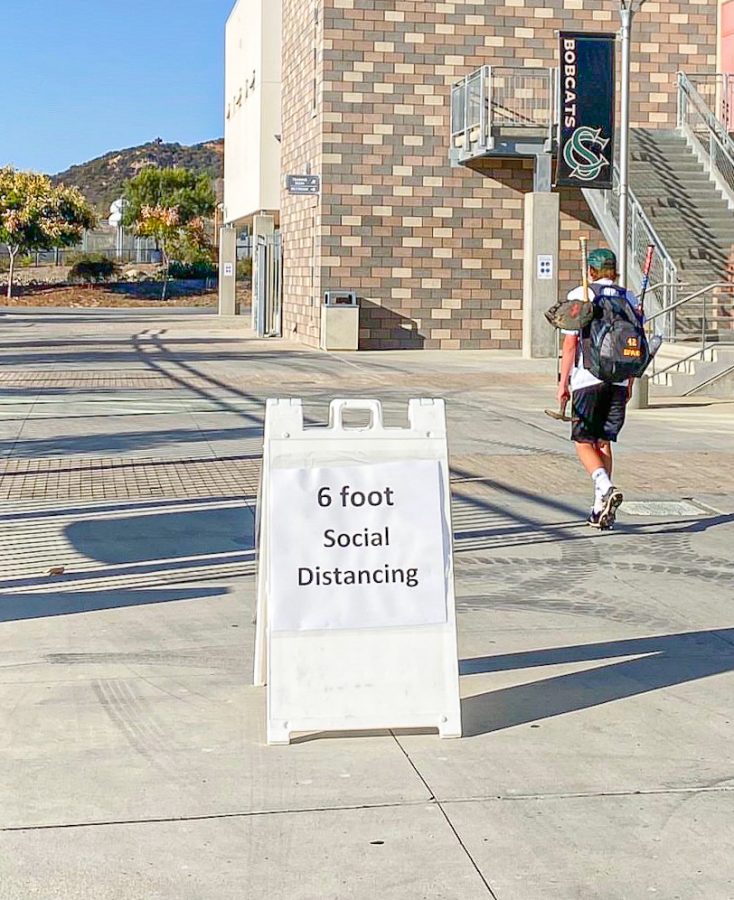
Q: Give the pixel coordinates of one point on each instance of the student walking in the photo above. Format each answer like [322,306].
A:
[594,360]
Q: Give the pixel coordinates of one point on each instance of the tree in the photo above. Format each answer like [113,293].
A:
[169,205]
[36,215]
[192,245]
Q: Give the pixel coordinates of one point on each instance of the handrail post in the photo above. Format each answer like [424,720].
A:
[467,146]
[482,109]
[682,101]
[490,113]
[703,324]
[635,231]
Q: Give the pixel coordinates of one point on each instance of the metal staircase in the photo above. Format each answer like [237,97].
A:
[688,213]
[681,200]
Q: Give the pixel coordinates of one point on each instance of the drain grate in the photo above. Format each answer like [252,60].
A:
[654,508]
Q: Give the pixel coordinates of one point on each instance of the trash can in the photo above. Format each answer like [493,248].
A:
[340,321]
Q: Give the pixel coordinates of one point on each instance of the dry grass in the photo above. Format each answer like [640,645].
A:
[97,296]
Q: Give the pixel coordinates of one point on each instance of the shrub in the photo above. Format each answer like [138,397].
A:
[92,268]
[192,270]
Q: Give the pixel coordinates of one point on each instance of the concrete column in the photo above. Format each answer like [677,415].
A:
[263,225]
[540,273]
[227,270]
[640,398]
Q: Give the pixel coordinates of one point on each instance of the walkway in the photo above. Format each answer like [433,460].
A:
[597,670]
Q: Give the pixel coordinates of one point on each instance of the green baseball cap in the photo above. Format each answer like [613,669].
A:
[601,258]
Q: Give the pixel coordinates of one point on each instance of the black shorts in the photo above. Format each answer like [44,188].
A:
[598,413]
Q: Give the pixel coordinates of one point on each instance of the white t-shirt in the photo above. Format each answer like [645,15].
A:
[581,377]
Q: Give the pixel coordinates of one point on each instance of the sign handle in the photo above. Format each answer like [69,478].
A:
[337,408]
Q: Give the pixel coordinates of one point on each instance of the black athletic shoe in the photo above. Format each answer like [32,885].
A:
[611,501]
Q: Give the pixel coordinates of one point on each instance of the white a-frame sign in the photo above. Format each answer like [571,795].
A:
[356,619]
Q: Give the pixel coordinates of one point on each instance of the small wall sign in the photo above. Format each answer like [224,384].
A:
[303,184]
[545,267]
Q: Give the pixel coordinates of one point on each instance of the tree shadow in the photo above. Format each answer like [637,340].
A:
[147,545]
[666,660]
[164,535]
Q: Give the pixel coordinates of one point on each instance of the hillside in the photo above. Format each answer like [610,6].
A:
[101,179]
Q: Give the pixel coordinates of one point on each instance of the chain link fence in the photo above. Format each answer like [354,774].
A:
[115,243]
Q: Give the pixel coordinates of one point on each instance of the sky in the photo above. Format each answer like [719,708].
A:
[82,77]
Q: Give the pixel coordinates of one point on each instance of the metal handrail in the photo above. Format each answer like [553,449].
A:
[710,345]
[705,341]
[652,235]
[715,89]
[641,234]
[496,97]
[475,102]
[688,89]
[693,296]
[714,143]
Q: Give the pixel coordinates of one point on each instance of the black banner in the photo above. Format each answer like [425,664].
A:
[586,133]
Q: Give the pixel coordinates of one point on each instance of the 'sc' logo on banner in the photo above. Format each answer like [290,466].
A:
[584,162]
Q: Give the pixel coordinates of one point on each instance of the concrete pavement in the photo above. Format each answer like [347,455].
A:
[597,670]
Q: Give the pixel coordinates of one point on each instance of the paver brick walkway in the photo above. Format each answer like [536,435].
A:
[119,477]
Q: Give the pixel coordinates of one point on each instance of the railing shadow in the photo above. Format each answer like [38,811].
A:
[19,606]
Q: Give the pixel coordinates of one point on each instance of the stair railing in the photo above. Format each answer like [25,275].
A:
[527,99]
[698,353]
[662,322]
[707,135]
[494,97]
[716,89]
[663,292]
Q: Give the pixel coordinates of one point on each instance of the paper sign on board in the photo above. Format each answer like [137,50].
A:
[359,547]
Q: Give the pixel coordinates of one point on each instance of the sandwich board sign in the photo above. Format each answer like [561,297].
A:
[356,619]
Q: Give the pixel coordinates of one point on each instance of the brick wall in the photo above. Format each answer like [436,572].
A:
[435,252]
[302,152]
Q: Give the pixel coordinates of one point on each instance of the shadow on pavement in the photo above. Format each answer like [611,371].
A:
[18,606]
[665,661]
[123,441]
[100,507]
[481,523]
[166,535]
[144,546]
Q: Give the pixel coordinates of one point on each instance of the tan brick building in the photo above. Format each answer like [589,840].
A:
[435,252]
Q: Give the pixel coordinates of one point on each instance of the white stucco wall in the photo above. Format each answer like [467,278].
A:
[252,107]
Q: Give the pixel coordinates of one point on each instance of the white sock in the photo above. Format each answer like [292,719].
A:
[602,483]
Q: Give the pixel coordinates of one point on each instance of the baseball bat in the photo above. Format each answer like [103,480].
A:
[560,413]
[646,273]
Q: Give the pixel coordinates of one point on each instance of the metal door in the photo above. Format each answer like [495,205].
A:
[268,286]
